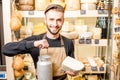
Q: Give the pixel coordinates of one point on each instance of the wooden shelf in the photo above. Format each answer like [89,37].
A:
[89,71]
[68,14]
[101,42]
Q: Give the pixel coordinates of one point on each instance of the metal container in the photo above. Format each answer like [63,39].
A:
[44,68]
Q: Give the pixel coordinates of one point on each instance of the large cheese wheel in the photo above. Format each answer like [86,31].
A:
[72,4]
[26,7]
[67,27]
[88,6]
[41,4]
[115,10]
[89,1]
[27,2]
[70,35]
[57,0]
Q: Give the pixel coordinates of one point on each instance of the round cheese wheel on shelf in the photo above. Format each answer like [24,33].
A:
[70,35]
[26,7]
[72,4]
[26,2]
[41,4]
[89,1]
[88,6]
[57,0]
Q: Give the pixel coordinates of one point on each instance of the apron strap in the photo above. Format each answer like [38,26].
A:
[61,39]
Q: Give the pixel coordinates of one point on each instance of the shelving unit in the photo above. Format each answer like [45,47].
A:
[89,71]
[115,46]
[93,42]
[40,14]
[68,14]
[7,36]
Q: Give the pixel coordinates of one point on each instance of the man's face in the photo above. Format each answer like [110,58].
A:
[54,21]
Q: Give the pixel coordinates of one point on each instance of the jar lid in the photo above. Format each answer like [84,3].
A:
[44,57]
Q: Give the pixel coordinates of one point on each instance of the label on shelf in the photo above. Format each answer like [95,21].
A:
[81,41]
[30,12]
[96,41]
[83,11]
[102,11]
[88,41]
[3,75]
[117,29]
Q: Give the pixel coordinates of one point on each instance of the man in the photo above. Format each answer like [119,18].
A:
[58,46]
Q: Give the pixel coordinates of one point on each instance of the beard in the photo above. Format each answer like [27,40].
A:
[54,33]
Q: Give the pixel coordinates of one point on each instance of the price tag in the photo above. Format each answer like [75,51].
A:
[101,68]
[88,41]
[31,12]
[96,41]
[83,11]
[81,41]
[100,12]
[105,11]
[116,29]
[94,68]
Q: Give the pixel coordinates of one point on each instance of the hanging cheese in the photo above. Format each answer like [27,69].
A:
[41,4]
[15,24]
[15,20]
[72,4]
[19,73]
[18,63]
[17,14]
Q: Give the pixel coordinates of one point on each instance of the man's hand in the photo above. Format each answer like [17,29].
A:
[41,43]
[71,73]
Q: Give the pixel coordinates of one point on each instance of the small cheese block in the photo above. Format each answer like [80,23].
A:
[77,77]
[71,64]
[92,77]
[92,62]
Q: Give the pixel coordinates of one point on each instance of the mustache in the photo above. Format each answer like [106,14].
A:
[55,26]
